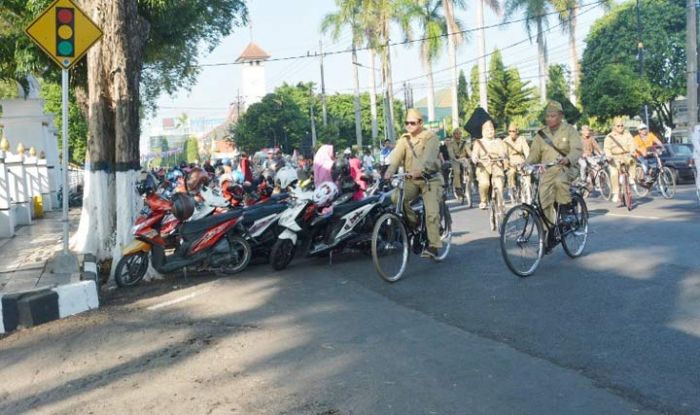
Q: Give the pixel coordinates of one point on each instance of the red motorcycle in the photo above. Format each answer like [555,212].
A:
[212,243]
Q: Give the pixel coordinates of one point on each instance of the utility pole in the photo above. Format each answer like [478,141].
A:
[640,56]
[692,72]
[481,43]
[313,121]
[358,115]
[323,88]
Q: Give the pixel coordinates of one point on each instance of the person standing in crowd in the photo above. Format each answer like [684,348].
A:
[245,168]
[384,155]
[619,147]
[323,164]
[368,160]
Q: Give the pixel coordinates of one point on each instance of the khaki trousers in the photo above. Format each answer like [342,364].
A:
[431,193]
[614,168]
[555,187]
[485,178]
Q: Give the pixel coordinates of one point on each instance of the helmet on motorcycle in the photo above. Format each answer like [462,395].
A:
[183,206]
[173,175]
[325,193]
[197,179]
[286,177]
[147,183]
[237,191]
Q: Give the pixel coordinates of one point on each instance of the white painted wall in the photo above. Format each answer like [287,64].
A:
[253,82]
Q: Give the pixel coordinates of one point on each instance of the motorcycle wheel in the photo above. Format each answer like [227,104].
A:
[281,254]
[241,253]
[131,269]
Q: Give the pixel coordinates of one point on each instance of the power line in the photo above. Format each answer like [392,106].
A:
[405,42]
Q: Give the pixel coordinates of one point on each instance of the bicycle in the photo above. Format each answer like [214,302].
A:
[392,233]
[465,195]
[660,176]
[598,178]
[522,191]
[625,188]
[522,236]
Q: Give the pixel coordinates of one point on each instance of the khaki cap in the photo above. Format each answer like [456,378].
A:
[414,113]
[554,106]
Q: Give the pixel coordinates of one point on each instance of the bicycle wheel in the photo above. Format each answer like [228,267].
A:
[575,228]
[390,247]
[667,183]
[602,181]
[522,240]
[492,214]
[626,191]
[445,231]
[500,209]
[639,189]
[468,191]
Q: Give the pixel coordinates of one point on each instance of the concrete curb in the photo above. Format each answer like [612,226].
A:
[31,308]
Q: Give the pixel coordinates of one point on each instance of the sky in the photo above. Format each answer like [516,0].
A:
[290,28]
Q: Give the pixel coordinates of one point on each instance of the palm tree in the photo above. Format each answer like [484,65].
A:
[432,25]
[535,14]
[348,14]
[495,6]
[454,38]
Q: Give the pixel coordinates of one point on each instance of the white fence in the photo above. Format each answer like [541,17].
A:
[25,178]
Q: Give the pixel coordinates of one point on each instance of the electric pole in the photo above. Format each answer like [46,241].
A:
[313,121]
[640,56]
[323,88]
[692,72]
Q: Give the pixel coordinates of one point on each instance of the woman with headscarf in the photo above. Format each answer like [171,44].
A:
[323,164]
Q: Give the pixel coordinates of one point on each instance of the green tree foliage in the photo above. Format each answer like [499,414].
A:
[462,96]
[191,150]
[508,95]
[77,124]
[474,96]
[611,57]
[557,90]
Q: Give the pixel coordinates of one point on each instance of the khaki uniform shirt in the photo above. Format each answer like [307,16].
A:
[590,146]
[621,152]
[565,138]
[458,149]
[518,150]
[423,157]
[483,153]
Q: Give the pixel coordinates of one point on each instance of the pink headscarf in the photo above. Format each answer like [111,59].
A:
[323,163]
[356,173]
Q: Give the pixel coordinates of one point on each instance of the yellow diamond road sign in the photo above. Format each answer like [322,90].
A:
[64,32]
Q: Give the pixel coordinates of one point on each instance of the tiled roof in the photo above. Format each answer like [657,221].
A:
[252,52]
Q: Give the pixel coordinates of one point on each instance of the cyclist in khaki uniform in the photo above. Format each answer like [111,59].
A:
[560,142]
[619,147]
[458,149]
[518,150]
[486,153]
[418,151]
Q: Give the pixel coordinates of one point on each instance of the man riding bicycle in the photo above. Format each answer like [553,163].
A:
[590,150]
[518,150]
[458,150]
[489,156]
[417,151]
[644,143]
[618,147]
[557,142]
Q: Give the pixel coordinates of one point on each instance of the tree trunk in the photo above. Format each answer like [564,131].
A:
[452,55]
[542,59]
[373,95]
[389,92]
[358,118]
[431,90]
[573,55]
[481,42]
[114,75]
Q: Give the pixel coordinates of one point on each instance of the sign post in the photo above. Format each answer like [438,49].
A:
[65,33]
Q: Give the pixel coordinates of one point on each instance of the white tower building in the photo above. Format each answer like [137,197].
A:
[252,74]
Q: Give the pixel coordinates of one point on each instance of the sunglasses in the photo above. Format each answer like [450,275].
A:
[512,131]
[620,125]
[411,122]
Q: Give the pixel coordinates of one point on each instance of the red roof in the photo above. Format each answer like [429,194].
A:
[252,52]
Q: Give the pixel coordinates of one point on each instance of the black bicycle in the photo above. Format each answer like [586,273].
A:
[392,236]
[597,178]
[527,234]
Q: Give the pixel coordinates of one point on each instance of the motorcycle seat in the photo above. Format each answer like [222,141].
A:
[254,212]
[347,207]
[190,230]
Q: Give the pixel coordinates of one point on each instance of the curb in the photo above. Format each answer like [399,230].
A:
[31,308]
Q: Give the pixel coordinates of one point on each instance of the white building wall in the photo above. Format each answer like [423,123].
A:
[253,82]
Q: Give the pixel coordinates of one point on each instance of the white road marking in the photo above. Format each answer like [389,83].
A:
[622,215]
[176,300]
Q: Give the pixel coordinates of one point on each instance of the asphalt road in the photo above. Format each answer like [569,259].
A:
[616,331]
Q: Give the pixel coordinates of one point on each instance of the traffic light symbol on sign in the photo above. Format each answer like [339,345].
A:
[65,32]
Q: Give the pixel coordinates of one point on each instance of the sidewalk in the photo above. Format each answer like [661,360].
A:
[25,259]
